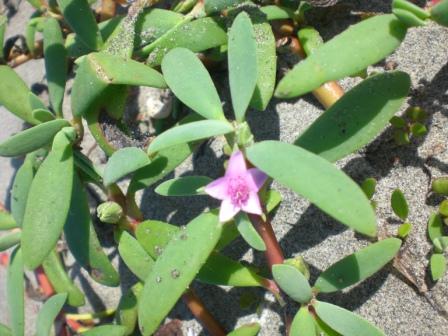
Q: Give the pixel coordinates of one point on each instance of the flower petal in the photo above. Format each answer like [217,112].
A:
[253,204]
[237,165]
[217,188]
[228,210]
[255,178]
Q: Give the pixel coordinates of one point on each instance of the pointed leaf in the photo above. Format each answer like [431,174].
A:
[55,63]
[7,222]
[14,94]
[292,282]
[134,256]
[32,138]
[82,239]
[79,17]
[191,83]
[106,329]
[9,240]
[123,162]
[435,226]
[242,58]
[437,264]
[272,200]
[358,117]
[43,115]
[358,266]
[251,329]
[127,313]
[174,270]
[188,133]
[60,280]
[15,290]
[439,13]
[335,193]
[344,321]
[183,186]
[248,232]
[399,204]
[303,324]
[346,54]
[48,314]
[50,190]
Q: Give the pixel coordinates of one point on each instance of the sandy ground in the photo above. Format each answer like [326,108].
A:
[388,299]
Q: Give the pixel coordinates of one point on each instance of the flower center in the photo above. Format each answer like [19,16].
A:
[238,191]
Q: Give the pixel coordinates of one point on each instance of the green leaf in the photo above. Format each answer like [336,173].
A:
[14,94]
[127,314]
[15,287]
[310,39]
[198,35]
[106,329]
[134,256]
[358,117]
[251,329]
[183,186]
[277,13]
[4,330]
[435,226]
[440,244]
[3,22]
[410,7]
[242,58]
[358,266]
[191,83]
[50,190]
[399,204]
[408,18]
[404,230]
[248,232]
[31,139]
[266,64]
[292,282]
[82,239]
[35,102]
[190,132]
[60,280]
[344,321]
[272,200]
[7,222]
[86,167]
[43,115]
[48,314]
[346,54]
[55,63]
[223,271]
[303,324]
[440,186]
[439,13]
[174,270]
[154,235]
[9,240]
[317,180]
[437,264]
[369,186]
[215,6]
[418,129]
[123,162]
[79,16]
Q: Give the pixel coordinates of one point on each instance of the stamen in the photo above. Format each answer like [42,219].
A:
[238,191]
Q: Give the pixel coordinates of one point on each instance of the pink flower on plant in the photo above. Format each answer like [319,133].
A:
[237,189]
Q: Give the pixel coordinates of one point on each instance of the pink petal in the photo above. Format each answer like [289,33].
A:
[217,188]
[253,204]
[255,178]
[228,210]
[237,165]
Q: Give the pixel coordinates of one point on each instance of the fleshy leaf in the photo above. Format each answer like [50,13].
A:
[344,321]
[358,266]
[357,117]
[32,138]
[435,226]
[123,162]
[399,204]
[437,264]
[248,232]
[21,187]
[303,324]
[190,132]
[191,83]
[126,314]
[346,54]
[369,186]
[154,236]
[106,329]
[292,282]
[174,269]
[15,290]
[215,6]
[51,189]
[83,241]
[251,329]
[9,240]
[55,63]
[14,94]
[7,222]
[335,191]
[242,58]
[3,22]
[439,13]
[43,115]
[183,186]
[48,314]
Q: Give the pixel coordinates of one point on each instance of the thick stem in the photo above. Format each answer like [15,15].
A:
[202,314]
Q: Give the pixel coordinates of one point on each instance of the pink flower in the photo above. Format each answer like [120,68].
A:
[237,189]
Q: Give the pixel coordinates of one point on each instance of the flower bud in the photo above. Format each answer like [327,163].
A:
[300,264]
[109,212]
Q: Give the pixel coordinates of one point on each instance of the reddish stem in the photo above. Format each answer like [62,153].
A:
[44,283]
[202,314]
